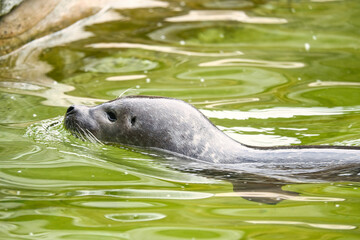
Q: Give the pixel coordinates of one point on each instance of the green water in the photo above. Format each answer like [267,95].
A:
[265,72]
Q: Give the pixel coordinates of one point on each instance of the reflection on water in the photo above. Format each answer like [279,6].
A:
[126,78]
[153,194]
[251,62]
[164,49]
[319,83]
[280,112]
[265,72]
[223,15]
[279,196]
[315,225]
[163,233]
[135,217]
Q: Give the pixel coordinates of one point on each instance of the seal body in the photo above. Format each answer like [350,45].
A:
[177,127]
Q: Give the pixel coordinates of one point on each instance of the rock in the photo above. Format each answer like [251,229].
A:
[7,5]
[36,18]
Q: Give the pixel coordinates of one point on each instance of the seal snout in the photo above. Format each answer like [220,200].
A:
[70,110]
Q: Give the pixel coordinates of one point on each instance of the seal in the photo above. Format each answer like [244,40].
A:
[176,127]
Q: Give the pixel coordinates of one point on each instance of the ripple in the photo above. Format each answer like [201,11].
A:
[228,4]
[13,152]
[164,49]
[49,176]
[326,94]
[352,142]
[117,64]
[146,194]
[26,193]
[116,204]
[251,62]
[138,4]
[89,235]
[315,225]
[279,196]
[10,205]
[236,77]
[323,1]
[48,131]
[7,227]
[21,86]
[125,78]
[178,233]
[320,83]
[279,112]
[135,217]
[224,15]
[263,139]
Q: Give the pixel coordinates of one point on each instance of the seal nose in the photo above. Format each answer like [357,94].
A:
[70,110]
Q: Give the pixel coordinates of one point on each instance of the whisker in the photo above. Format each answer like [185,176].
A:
[95,139]
[125,92]
[82,134]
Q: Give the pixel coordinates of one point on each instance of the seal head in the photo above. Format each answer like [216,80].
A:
[152,122]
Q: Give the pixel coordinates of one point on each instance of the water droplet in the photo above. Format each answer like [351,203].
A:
[202,80]
[182,42]
[19,171]
[299,78]
[337,205]
[137,86]
[34,115]
[148,80]
[314,37]
[162,37]
[307,46]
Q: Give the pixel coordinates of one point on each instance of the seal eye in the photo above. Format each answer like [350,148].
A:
[111,116]
[133,120]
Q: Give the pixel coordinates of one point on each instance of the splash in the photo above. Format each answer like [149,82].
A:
[49,131]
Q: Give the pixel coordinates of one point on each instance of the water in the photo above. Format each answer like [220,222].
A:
[265,72]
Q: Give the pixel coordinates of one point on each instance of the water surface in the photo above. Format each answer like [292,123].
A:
[265,72]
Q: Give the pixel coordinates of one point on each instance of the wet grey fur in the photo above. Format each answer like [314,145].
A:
[175,126]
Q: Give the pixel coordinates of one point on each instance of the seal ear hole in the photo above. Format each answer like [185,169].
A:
[111,116]
[133,120]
